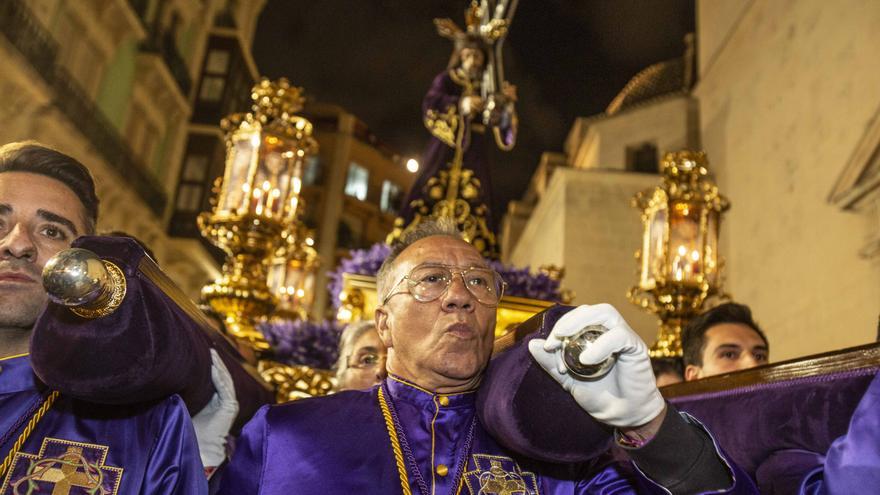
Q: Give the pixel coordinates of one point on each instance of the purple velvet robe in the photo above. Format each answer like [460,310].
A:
[142,449]
[852,464]
[340,445]
[442,116]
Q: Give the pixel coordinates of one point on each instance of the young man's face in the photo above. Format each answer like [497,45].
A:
[729,347]
[39,216]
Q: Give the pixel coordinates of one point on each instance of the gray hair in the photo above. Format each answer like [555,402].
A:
[442,226]
[350,334]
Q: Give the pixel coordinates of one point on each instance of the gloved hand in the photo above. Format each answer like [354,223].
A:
[625,397]
[213,422]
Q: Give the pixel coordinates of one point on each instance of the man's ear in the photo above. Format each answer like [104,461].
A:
[692,372]
[382,326]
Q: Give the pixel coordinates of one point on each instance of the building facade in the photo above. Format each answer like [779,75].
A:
[110,82]
[136,89]
[783,99]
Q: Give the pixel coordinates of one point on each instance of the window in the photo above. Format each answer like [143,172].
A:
[356,182]
[212,88]
[390,201]
[642,158]
[312,171]
[195,169]
[189,198]
[202,163]
[218,62]
[214,80]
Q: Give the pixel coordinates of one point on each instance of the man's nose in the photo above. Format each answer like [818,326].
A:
[18,244]
[457,295]
[748,360]
[381,372]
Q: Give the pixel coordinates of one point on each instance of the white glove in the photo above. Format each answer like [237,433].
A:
[625,397]
[213,422]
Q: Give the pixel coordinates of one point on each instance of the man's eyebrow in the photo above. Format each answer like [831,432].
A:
[54,217]
[368,349]
[475,264]
[733,347]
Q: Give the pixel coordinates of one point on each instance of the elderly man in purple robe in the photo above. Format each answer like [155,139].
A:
[419,432]
[51,442]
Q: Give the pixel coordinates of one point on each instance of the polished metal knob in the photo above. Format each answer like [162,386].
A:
[81,280]
[574,345]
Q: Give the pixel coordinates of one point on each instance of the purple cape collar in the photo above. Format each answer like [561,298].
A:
[16,374]
[404,390]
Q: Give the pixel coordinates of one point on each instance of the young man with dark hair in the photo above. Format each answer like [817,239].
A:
[721,340]
[50,442]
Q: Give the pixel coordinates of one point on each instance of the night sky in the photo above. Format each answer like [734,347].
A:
[568,58]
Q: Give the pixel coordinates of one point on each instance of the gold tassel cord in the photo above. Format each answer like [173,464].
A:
[395,444]
[19,442]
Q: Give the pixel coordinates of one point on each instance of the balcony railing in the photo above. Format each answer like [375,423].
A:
[41,51]
[165,46]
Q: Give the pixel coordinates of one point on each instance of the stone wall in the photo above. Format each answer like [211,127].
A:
[586,223]
[785,95]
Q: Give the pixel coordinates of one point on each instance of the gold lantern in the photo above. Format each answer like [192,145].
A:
[292,275]
[679,263]
[256,200]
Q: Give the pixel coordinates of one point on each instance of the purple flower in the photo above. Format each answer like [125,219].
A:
[360,262]
[522,283]
[303,342]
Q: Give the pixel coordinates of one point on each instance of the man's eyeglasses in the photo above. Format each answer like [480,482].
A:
[429,282]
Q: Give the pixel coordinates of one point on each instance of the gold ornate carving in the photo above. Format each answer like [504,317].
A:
[296,382]
[443,125]
[105,305]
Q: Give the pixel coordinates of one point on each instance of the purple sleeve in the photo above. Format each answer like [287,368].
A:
[174,466]
[853,460]
[442,95]
[244,473]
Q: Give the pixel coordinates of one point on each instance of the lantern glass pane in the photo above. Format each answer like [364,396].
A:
[685,255]
[271,186]
[308,295]
[236,186]
[711,256]
[275,276]
[653,248]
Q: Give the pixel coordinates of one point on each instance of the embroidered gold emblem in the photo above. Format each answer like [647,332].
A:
[499,475]
[443,125]
[62,467]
